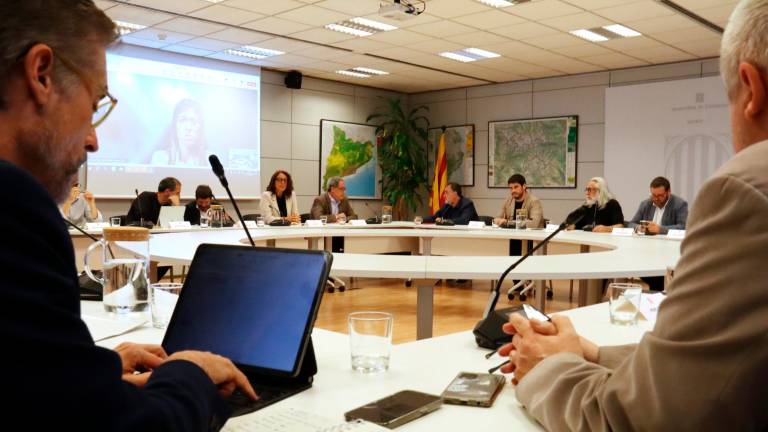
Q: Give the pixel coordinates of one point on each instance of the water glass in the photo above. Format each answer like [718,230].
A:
[203,221]
[418,220]
[624,303]
[520,221]
[115,221]
[324,219]
[260,222]
[640,229]
[162,301]
[386,218]
[341,219]
[370,340]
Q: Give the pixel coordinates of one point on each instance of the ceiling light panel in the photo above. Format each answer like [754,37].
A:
[362,72]
[469,55]
[124,27]
[253,52]
[588,35]
[360,27]
[622,31]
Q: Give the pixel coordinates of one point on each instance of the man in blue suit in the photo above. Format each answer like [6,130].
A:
[53,94]
[663,211]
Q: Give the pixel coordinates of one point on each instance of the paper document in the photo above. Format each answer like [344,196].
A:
[649,305]
[102,327]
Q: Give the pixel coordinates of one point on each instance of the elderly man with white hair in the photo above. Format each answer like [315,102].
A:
[703,366]
[601,212]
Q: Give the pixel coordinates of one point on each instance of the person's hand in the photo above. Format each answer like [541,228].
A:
[602,229]
[89,197]
[341,216]
[570,227]
[439,219]
[533,342]
[653,228]
[73,194]
[499,221]
[175,200]
[139,360]
[294,218]
[224,374]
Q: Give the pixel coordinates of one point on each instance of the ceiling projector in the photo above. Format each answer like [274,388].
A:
[399,10]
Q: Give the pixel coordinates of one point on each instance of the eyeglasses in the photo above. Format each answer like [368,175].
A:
[591,189]
[281,180]
[104,106]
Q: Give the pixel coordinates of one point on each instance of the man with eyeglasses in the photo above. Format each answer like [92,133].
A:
[53,94]
[80,207]
[663,211]
[334,203]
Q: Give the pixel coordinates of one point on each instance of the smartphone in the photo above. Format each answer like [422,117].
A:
[474,389]
[531,312]
[397,409]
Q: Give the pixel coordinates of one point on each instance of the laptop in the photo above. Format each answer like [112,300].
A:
[256,306]
[170,214]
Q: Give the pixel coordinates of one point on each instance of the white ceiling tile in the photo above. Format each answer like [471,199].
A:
[150,43]
[661,24]
[276,25]
[454,8]
[209,44]
[544,73]
[572,66]
[435,46]
[399,37]
[285,45]
[323,53]
[576,21]
[685,35]
[321,35]
[558,40]
[701,48]
[634,11]
[292,60]
[328,66]
[399,53]
[660,54]
[697,5]
[266,7]
[477,38]
[137,15]
[168,37]
[543,9]
[238,36]
[356,7]
[362,45]
[190,26]
[313,15]
[356,60]
[441,29]
[515,49]
[718,15]
[104,4]
[175,6]
[625,44]
[229,57]
[524,30]
[513,66]
[419,20]
[489,19]
[614,60]
[597,4]
[188,50]
[227,15]
[587,49]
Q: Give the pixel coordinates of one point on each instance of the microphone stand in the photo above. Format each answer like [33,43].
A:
[88,235]
[237,210]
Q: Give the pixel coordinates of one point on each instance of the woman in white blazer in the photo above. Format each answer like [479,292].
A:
[279,201]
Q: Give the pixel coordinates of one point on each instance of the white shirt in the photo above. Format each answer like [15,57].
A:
[658,213]
[334,205]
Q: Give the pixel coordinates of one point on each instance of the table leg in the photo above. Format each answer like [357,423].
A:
[426,246]
[153,271]
[312,243]
[424,308]
[271,243]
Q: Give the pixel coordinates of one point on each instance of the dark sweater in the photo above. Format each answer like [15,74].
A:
[460,215]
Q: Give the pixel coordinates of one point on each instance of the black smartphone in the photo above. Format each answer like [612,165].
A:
[397,409]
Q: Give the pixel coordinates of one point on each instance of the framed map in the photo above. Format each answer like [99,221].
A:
[543,150]
[348,150]
[459,151]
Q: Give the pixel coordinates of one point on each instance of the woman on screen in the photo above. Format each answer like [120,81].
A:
[184,143]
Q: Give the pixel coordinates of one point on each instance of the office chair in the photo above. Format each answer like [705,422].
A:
[251,216]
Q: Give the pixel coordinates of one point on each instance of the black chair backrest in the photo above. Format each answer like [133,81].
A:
[304,217]
[488,220]
[251,216]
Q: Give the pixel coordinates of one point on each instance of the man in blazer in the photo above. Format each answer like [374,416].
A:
[60,379]
[663,210]
[333,203]
[703,367]
[521,199]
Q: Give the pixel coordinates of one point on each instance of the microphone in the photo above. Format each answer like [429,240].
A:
[373,220]
[82,231]
[89,288]
[488,333]
[219,171]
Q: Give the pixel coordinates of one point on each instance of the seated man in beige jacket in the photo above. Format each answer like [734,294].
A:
[520,200]
[705,364]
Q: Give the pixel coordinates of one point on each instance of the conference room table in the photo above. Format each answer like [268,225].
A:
[426,365]
[601,256]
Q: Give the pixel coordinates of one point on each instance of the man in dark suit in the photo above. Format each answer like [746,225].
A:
[663,211]
[457,208]
[53,84]
[334,203]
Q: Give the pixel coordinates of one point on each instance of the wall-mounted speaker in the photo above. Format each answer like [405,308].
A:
[293,79]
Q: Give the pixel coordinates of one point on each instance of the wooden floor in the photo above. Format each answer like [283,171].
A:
[456,308]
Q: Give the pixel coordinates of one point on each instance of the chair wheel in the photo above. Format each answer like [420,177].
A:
[342,288]
[331,289]
[550,295]
[408,283]
[523,297]
[511,296]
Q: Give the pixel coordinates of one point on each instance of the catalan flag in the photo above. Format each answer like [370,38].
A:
[437,200]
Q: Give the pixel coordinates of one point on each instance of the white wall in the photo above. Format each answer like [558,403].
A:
[290,134]
[583,95]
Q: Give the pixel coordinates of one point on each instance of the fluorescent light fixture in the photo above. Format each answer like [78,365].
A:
[214,1]
[124,27]
[373,24]
[497,3]
[589,35]
[360,27]
[352,73]
[369,71]
[481,53]
[348,30]
[457,57]
[253,52]
[622,31]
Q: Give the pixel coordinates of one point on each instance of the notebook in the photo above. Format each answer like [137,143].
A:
[170,214]
[256,306]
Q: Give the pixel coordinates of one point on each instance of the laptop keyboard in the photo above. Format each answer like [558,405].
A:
[241,404]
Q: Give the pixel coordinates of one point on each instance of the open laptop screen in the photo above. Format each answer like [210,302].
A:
[256,306]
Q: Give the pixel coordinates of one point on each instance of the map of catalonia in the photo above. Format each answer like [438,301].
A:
[346,157]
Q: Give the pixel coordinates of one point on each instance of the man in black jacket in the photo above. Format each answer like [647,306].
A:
[457,208]
[53,93]
[147,205]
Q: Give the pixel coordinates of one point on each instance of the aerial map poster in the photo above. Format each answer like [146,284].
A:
[348,150]
[459,150]
[543,150]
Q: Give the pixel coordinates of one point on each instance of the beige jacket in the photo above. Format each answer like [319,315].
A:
[705,364]
[531,205]
[271,211]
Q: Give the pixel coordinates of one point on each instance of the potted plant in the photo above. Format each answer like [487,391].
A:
[401,140]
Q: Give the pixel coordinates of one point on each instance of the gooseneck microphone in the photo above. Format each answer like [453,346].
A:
[82,231]
[488,333]
[219,171]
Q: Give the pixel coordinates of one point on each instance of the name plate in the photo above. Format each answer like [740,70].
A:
[624,232]
[551,227]
[250,224]
[676,234]
[314,223]
[476,224]
[179,225]
[358,222]
[97,225]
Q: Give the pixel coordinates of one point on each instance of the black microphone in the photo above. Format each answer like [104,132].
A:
[488,333]
[89,288]
[82,231]
[219,171]
[373,220]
